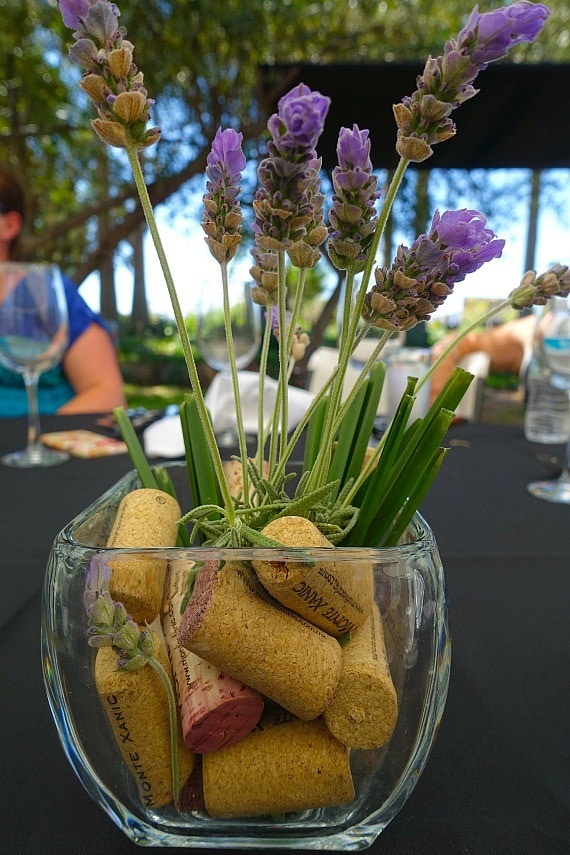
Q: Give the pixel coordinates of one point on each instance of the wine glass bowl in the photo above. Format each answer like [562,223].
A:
[33,337]
[554,349]
[211,330]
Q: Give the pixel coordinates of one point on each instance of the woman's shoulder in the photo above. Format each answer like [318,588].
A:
[81,316]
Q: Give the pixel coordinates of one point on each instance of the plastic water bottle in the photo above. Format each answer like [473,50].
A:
[547,414]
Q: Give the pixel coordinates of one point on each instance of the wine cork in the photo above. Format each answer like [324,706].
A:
[231,622]
[233,473]
[364,707]
[145,518]
[332,595]
[216,710]
[137,708]
[283,765]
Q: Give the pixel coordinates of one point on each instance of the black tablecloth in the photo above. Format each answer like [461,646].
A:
[497,779]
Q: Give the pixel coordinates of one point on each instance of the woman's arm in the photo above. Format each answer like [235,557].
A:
[506,345]
[92,368]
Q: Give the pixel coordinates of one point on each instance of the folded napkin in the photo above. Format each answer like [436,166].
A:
[220,401]
[164,437]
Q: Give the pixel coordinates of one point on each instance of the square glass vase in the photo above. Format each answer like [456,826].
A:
[345,708]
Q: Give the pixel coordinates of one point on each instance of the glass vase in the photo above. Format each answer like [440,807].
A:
[367,785]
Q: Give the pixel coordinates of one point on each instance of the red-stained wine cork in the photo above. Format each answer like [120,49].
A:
[231,622]
[216,710]
[283,765]
[145,518]
[192,793]
[333,595]
[136,705]
[364,707]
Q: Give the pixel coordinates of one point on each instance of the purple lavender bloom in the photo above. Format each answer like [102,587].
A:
[111,79]
[300,119]
[421,277]
[102,22]
[73,12]
[273,312]
[352,216]
[288,200]
[463,234]
[495,33]
[353,149]
[226,160]
[96,17]
[97,581]
[447,81]
[222,220]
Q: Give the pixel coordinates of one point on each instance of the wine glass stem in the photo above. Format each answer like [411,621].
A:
[31,383]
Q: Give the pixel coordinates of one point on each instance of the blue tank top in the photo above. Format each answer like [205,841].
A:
[53,389]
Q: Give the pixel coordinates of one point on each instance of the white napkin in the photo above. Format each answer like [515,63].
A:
[164,437]
[220,401]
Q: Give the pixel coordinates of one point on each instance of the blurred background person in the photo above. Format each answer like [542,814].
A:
[88,379]
[508,345]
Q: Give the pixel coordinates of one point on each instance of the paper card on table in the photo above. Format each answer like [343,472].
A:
[83,443]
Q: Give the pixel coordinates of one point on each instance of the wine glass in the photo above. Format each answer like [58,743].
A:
[33,337]
[212,342]
[554,349]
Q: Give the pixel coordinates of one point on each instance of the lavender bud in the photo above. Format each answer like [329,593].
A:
[222,219]
[447,80]
[352,217]
[421,277]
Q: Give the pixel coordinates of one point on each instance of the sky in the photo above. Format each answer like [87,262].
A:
[194,270]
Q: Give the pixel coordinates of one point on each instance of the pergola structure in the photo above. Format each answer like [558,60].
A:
[521,118]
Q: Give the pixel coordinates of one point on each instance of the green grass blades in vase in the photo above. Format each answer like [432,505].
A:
[268,665]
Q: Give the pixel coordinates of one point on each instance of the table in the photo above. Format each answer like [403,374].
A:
[497,779]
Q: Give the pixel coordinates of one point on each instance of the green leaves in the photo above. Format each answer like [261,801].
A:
[409,461]
[201,473]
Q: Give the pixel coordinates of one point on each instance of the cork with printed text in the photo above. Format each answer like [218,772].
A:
[137,708]
[335,596]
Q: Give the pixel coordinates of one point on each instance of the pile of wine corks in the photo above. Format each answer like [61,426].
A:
[279,670]
[275,626]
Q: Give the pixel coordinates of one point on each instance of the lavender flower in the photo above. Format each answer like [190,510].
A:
[73,12]
[420,278]
[222,220]
[495,33]
[289,204]
[423,118]
[110,79]
[352,216]
[300,340]
[109,623]
[289,174]
[537,290]
[299,122]
[264,272]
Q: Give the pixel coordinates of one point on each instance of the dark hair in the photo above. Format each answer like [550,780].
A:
[12,198]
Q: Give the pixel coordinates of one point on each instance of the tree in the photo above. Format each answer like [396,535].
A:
[200,59]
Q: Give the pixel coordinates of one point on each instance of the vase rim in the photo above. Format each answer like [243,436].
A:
[420,537]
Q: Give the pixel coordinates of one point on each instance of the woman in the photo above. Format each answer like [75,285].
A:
[88,380]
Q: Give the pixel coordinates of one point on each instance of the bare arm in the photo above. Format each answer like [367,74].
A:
[92,368]
[505,344]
